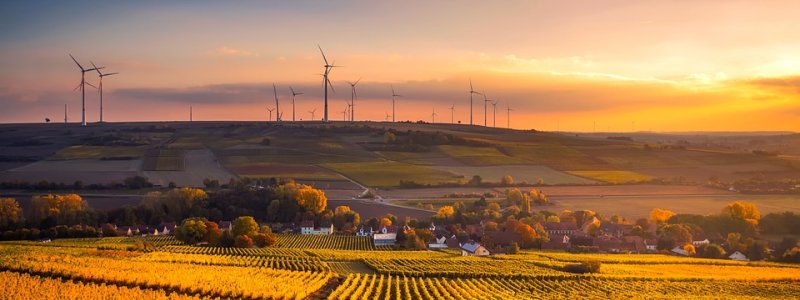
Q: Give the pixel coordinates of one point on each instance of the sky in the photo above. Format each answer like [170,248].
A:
[558,65]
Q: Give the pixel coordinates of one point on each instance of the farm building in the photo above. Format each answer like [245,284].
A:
[557,242]
[385,236]
[225,225]
[473,249]
[679,251]
[307,227]
[738,256]
[560,228]
[438,242]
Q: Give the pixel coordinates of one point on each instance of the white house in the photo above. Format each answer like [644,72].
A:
[651,245]
[701,242]
[738,256]
[385,236]
[473,249]
[679,250]
[364,231]
[307,227]
[438,243]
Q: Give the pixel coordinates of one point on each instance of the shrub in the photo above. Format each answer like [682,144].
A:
[591,266]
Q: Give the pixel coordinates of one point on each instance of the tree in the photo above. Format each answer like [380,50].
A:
[538,197]
[742,210]
[689,248]
[660,216]
[10,212]
[244,225]
[66,209]
[476,180]
[553,219]
[527,235]
[243,241]
[213,234]
[445,212]
[677,232]
[507,180]
[265,237]
[389,137]
[386,222]
[714,251]
[108,230]
[311,199]
[513,248]
[191,231]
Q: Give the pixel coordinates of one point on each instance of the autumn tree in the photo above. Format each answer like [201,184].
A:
[311,199]
[176,204]
[538,197]
[344,217]
[10,212]
[243,241]
[213,233]
[244,225]
[507,180]
[660,216]
[713,251]
[66,209]
[191,231]
[553,219]
[514,196]
[742,210]
[445,212]
[265,237]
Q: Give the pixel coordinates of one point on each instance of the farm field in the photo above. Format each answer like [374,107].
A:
[614,177]
[389,173]
[173,271]
[199,165]
[520,173]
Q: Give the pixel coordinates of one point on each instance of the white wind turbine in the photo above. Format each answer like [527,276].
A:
[326,81]
[83,88]
[294,94]
[101,87]
[353,96]
[394,95]
[471,92]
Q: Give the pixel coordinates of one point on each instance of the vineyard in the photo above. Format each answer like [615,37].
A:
[342,267]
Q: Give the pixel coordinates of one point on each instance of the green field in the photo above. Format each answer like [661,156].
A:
[98,152]
[389,173]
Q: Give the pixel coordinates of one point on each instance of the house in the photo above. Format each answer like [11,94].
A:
[679,251]
[386,236]
[738,256]
[560,228]
[307,227]
[168,228]
[577,240]
[614,229]
[609,244]
[438,242]
[499,239]
[557,242]
[225,225]
[634,243]
[453,243]
[651,245]
[698,243]
[364,231]
[472,248]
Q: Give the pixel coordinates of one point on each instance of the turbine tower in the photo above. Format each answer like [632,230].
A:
[326,81]
[433,116]
[277,104]
[83,90]
[101,88]
[270,113]
[394,95]
[190,113]
[485,108]
[353,96]
[494,113]
[65,113]
[471,92]
[453,114]
[508,116]
[387,116]
[294,94]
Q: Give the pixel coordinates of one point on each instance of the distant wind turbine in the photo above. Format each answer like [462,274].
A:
[326,81]
[83,90]
[312,113]
[453,114]
[394,95]
[294,94]
[387,116]
[508,117]
[471,92]
[101,87]
[190,113]
[485,101]
[353,96]
[277,104]
[433,116]
[65,113]
[345,111]
[270,113]
[494,113]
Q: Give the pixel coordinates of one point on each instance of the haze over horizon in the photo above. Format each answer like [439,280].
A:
[692,66]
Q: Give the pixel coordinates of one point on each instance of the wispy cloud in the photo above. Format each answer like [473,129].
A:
[232,52]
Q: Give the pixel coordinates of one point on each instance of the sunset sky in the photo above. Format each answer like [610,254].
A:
[665,65]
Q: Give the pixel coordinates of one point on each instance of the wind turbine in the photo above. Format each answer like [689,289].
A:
[101,87]
[508,116]
[345,111]
[83,90]
[433,116]
[277,104]
[353,96]
[270,113]
[326,81]
[387,116]
[494,113]
[293,95]
[394,95]
[190,113]
[312,113]
[471,92]
[485,101]
[65,113]
[453,114]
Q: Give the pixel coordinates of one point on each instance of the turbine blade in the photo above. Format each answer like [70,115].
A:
[109,74]
[77,87]
[95,68]
[76,62]
[323,54]
[91,85]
